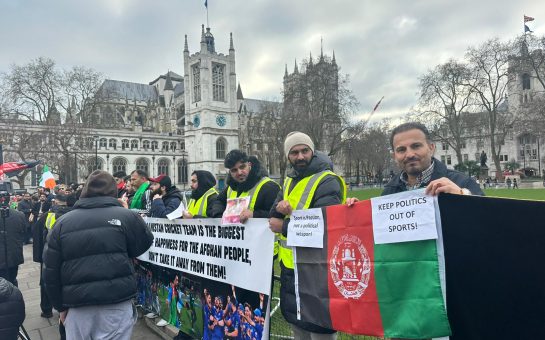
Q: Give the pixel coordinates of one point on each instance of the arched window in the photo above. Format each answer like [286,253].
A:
[218,82]
[154,145]
[142,164]
[525,81]
[113,143]
[90,142]
[91,166]
[134,144]
[182,171]
[163,166]
[165,146]
[145,144]
[119,164]
[221,146]
[173,146]
[124,144]
[103,143]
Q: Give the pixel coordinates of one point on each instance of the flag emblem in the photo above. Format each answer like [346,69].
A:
[350,267]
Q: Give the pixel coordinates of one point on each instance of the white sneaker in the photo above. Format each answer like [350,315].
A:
[150,315]
[162,323]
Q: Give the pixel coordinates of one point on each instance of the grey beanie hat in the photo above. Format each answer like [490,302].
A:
[295,138]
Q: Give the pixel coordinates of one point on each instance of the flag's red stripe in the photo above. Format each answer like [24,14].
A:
[361,315]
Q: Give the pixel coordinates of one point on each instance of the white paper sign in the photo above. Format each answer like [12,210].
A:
[306,228]
[178,212]
[403,217]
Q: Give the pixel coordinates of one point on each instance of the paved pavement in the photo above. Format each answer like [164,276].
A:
[40,328]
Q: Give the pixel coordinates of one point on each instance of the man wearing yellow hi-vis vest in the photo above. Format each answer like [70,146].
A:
[311,184]
[247,179]
[203,194]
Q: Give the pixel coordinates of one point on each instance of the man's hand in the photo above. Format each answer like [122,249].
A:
[157,196]
[123,203]
[62,316]
[275,224]
[186,214]
[245,215]
[284,208]
[351,200]
[444,185]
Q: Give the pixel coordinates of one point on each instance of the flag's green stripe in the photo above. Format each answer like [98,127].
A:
[409,294]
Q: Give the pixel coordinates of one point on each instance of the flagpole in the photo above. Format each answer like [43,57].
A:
[207,24]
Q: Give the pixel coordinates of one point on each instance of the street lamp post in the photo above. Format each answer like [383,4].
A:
[1,151]
[349,163]
[184,170]
[95,137]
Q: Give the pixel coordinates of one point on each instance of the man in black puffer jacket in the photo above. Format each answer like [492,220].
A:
[12,310]
[16,226]
[88,272]
[166,197]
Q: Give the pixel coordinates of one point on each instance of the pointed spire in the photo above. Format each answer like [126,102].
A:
[295,69]
[286,71]
[186,48]
[239,92]
[333,61]
[231,45]
[310,59]
[168,83]
[321,48]
[202,34]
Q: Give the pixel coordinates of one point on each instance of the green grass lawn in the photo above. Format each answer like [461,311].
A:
[528,194]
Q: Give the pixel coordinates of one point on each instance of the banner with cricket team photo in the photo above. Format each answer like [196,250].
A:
[207,279]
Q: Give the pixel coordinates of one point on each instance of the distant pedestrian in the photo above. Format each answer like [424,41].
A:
[88,271]
[508,182]
[515,184]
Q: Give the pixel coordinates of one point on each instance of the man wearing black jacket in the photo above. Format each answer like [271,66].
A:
[12,239]
[246,179]
[88,271]
[166,197]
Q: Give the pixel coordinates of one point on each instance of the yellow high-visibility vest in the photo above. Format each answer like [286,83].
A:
[198,207]
[50,220]
[300,198]
[253,193]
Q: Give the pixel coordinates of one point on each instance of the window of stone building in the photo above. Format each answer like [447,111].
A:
[142,164]
[449,160]
[119,164]
[134,144]
[103,143]
[173,146]
[165,146]
[221,146]
[154,145]
[113,143]
[525,81]
[443,159]
[124,144]
[466,157]
[145,144]
[182,170]
[163,166]
[218,82]
[196,71]
[91,166]
[444,146]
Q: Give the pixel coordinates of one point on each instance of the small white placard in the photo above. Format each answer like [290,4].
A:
[403,217]
[306,228]
[178,212]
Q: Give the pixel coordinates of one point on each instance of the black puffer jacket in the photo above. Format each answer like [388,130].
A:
[328,192]
[12,310]
[16,224]
[439,171]
[265,199]
[87,258]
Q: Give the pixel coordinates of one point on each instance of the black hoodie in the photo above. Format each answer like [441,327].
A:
[206,181]
[265,199]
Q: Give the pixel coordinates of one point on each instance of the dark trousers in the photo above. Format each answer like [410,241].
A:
[10,274]
[45,304]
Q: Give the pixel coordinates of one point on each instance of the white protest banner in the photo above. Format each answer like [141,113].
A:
[240,254]
[403,217]
[306,228]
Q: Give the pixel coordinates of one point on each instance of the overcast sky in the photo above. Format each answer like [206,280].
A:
[384,46]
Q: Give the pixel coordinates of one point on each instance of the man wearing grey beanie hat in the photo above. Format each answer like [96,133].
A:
[312,175]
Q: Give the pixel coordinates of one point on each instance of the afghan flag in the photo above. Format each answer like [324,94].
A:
[14,168]
[388,290]
[47,180]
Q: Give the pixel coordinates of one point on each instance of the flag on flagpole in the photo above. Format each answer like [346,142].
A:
[527,18]
[527,29]
[206,4]
[47,180]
